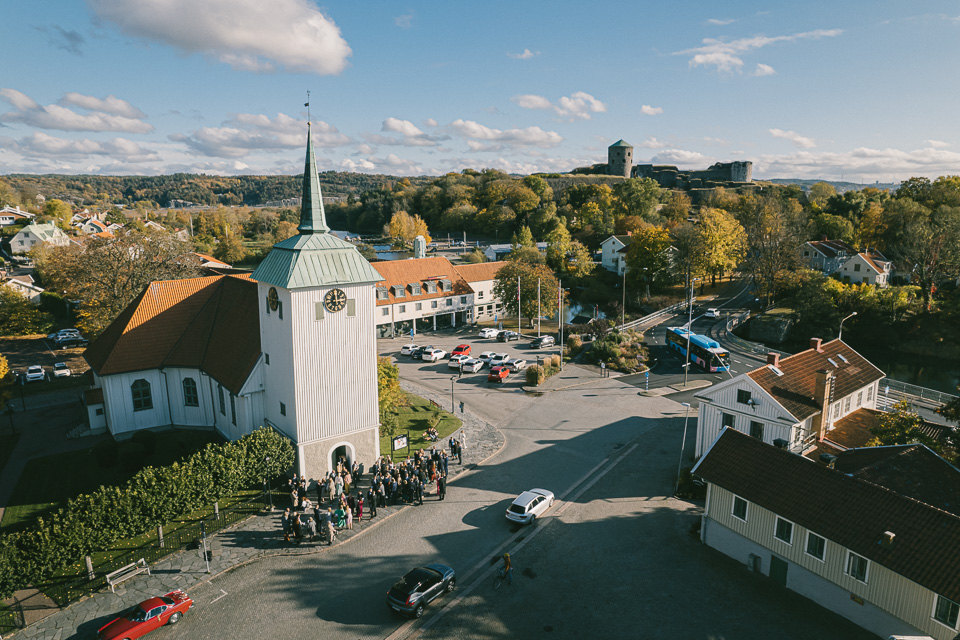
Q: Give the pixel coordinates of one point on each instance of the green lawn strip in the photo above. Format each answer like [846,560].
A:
[415,419]
[47,483]
[7,444]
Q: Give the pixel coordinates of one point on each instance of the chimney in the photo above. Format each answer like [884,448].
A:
[815,344]
[823,238]
[821,396]
[887,538]
[773,359]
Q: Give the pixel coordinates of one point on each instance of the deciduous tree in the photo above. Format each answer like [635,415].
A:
[721,241]
[505,288]
[774,238]
[648,258]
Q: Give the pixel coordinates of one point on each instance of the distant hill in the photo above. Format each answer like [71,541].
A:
[199,189]
[840,186]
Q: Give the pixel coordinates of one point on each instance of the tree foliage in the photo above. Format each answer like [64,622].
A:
[19,316]
[404,228]
[774,237]
[391,396]
[902,426]
[648,258]
[721,241]
[529,275]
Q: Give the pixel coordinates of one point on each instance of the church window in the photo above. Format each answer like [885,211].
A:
[283,409]
[223,407]
[266,358]
[280,309]
[351,308]
[318,311]
[233,409]
[142,398]
[190,396]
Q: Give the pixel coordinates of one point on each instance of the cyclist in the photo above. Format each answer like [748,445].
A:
[507,571]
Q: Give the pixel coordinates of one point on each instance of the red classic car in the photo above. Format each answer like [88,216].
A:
[498,373]
[147,616]
[461,350]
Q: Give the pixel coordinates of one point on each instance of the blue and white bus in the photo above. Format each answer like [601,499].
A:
[704,351]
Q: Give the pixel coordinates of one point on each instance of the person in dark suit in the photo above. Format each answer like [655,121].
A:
[442,486]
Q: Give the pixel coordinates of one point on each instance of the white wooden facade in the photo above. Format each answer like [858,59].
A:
[859,270]
[610,257]
[886,603]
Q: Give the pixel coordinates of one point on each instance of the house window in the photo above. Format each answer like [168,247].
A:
[233,409]
[402,308]
[836,410]
[743,396]
[449,302]
[846,405]
[99,412]
[266,358]
[756,430]
[415,288]
[419,306]
[869,393]
[739,508]
[190,396]
[283,409]
[480,295]
[728,419]
[806,254]
[489,308]
[860,398]
[433,304]
[385,311]
[398,291]
[946,612]
[223,407]
[463,299]
[856,267]
[382,294]
[783,530]
[857,567]
[815,545]
[142,399]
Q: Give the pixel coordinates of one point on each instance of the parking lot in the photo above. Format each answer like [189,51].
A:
[24,351]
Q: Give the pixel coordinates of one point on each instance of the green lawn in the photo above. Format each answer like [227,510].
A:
[415,419]
[7,445]
[48,482]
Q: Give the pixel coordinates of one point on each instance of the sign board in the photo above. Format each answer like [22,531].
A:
[646,374]
[399,442]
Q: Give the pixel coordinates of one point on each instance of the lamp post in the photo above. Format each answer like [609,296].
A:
[623,303]
[266,481]
[686,366]
[452,404]
[683,445]
[840,335]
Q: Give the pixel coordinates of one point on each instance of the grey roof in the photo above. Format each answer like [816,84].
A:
[314,260]
[621,143]
[312,217]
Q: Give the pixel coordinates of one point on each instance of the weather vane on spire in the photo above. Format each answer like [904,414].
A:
[307,105]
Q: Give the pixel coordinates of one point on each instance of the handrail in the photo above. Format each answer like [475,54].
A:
[916,391]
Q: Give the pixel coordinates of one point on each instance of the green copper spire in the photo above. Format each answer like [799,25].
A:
[312,218]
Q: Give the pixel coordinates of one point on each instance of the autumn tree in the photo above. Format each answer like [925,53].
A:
[579,261]
[404,228]
[391,397]
[648,258]
[230,249]
[528,275]
[558,246]
[523,238]
[475,257]
[677,208]
[902,426]
[284,230]
[19,316]
[106,274]
[820,193]
[721,241]
[637,197]
[774,238]
[59,211]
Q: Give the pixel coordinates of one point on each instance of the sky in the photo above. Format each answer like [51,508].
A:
[861,91]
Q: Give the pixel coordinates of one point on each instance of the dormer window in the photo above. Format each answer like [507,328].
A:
[398,291]
[431,286]
[415,288]
[446,285]
[382,293]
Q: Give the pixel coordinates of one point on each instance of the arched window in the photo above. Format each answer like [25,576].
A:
[190,396]
[142,399]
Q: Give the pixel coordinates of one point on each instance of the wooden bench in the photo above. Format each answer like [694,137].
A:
[123,573]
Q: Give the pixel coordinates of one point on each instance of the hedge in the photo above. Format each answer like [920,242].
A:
[153,497]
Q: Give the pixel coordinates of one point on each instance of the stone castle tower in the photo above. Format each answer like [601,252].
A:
[619,159]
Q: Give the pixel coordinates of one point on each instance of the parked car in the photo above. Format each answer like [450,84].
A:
[456,361]
[486,355]
[432,355]
[417,354]
[498,374]
[147,616]
[461,350]
[516,365]
[529,505]
[61,370]
[68,342]
[498,359]
[64,333]
[35,373]
[543,341]
[420,587]
[408,349]
[712,313]
[507,336]
[489,332]
[473,365]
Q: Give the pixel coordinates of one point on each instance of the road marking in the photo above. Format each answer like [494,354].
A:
[222,594]
[484,576]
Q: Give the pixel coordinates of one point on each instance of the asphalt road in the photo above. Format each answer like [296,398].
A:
[613,557]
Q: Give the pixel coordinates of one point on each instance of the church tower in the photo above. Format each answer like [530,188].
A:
[317,305]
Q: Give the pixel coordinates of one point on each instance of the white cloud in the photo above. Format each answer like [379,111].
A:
[530,136]
[526,54]
[357,165]
[389,164]
[721,22]
[682,158]
[938,144]
[430,122]
[248,132]
[764,70]
[54,116]
[249,35]
[410,135]
[794,137]
[725,56]
[577,106]
[42,144]
[652,143]
[647,110]
[405,21]
[862,162]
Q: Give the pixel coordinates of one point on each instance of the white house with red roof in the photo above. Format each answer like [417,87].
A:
[10,216]
[790,402]
[866,267]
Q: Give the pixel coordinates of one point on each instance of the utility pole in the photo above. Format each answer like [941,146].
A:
[560,319]
[686,366]
[623,303]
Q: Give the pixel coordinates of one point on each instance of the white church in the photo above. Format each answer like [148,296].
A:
[291,347]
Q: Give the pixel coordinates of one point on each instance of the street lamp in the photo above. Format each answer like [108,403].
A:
[623,303]
[266,480]
[452,405]
[840,335]
[686,366]
[683,445]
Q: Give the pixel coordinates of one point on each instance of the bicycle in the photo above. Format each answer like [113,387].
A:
[500,578]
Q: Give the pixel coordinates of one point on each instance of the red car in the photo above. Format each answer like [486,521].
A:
[498,374]
[147,616]
[461,350]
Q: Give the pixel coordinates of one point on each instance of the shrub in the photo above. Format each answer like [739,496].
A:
[535,375]
[554,361]
[574,343]
[105,453]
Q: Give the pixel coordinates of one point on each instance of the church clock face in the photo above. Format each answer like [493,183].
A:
[335,300]
[273,299]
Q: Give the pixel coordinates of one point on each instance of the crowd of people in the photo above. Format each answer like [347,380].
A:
[341,500]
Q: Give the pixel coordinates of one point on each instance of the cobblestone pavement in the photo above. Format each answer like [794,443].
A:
[252,539]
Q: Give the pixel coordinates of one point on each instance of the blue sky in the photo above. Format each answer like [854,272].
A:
[862,91]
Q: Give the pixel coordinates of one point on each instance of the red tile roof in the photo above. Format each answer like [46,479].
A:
[795,389]
[205,323]
[849,511]
[404,272]
[480,271]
